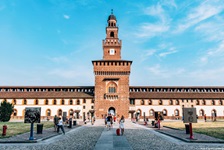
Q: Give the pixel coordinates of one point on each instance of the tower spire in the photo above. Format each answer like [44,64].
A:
[112,11]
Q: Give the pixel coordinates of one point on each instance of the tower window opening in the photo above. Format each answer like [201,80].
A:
[112,88]
[111,34]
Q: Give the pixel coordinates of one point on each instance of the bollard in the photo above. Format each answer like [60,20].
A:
[158,124]
[4,130]
[145,123]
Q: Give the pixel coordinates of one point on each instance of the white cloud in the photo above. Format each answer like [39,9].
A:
[171,50]
[159,72]
[156,70]
[213,55]
[212,32]
[167,49]
[198,14]
[214,75]
[147,54]
[169,3]
[150,52]
[74,73]
[60,59]
[150,30]
[156,11]
[66,16]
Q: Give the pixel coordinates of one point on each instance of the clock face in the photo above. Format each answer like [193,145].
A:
[111,51]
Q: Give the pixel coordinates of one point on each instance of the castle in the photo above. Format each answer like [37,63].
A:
[112,92]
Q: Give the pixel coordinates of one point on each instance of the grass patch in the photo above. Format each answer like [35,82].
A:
[214,129]
[15,128]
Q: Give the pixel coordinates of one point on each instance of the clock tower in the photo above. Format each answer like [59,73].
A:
[111,75]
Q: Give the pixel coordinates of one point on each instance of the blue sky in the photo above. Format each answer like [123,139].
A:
[171,42]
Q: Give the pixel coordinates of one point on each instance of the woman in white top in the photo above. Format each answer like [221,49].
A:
[60,125]
[121,122]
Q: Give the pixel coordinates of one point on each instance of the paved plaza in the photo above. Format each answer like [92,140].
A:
[97,137]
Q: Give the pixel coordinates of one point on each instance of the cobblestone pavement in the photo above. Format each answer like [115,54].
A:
[81,138]
[181,134]
[86,136]
[142,138]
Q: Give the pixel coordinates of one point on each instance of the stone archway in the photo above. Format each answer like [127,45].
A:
[112,111]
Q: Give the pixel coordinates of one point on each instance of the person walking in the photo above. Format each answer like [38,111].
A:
[60,125]
[55,123]
[93,120]
[109,118]
[121,122]
[114,119]
[205,117]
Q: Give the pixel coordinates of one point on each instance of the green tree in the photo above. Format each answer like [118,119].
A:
[6,110]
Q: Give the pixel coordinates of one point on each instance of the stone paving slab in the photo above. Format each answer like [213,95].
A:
[110,141]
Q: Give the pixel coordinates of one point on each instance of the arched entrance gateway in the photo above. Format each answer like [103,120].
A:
[112,111]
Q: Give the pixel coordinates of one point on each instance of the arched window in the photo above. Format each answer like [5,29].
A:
[112,34]
[213,102]
[177,102]
[46,102]
[160,102]
[24,102]
[92,101]
[203,102]
[78,102]
[112,88]
[36,101]
[132,101]
[139,113]
[176,112]
[70,112]
[220,102]
[62,102]
[54,102]
[197,102]
[59,112]
[14,112]
[71,102]
[151,112]
[171,102]
[14,101]
[164,112]
[48,112]
[84,101]
[142,102]
[201,112]
[150,102]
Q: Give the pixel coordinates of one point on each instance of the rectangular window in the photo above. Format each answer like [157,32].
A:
[132,101]
[112,90]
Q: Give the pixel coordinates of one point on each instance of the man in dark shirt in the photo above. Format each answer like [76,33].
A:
[109,119]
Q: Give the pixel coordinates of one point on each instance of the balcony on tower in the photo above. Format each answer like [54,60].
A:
[112,42]
[111,96]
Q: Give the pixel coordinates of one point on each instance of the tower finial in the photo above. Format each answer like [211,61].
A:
[112,11]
